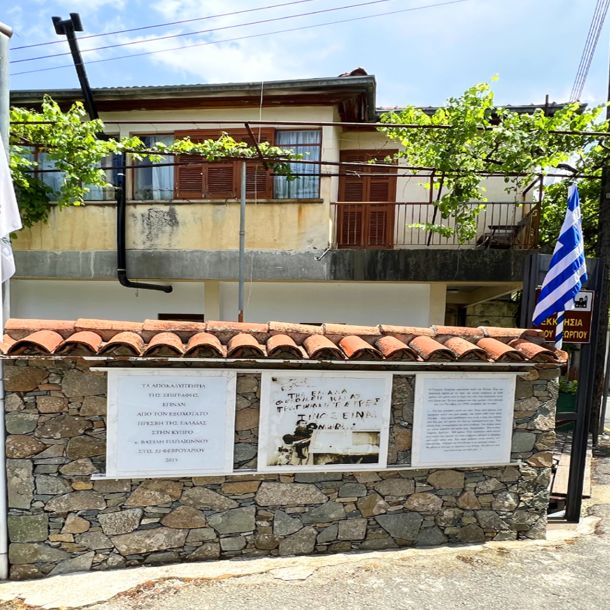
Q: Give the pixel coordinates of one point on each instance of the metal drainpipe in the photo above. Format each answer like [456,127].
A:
[68,27]
[121,206]
[5,33]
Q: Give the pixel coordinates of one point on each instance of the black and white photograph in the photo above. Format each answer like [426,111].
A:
[312,421]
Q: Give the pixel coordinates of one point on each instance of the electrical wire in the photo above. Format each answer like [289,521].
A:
[202,44]
[208,31]
[595,27]
[165,24]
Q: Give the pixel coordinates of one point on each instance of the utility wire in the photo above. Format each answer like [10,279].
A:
[166,24]
[597,22]
[207,31]
[297,29]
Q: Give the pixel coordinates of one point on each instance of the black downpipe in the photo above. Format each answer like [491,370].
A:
[68,27]
[121,208]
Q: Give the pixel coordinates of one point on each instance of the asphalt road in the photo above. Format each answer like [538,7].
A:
[518,575]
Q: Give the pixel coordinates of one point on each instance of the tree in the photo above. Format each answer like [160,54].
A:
[76,147]
[471,136]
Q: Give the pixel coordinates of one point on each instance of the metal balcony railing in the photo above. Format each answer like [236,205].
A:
[391,225]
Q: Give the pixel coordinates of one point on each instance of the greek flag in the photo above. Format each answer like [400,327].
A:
[567,270]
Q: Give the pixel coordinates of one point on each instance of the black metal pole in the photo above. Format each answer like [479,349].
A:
[68,27]
[584,404]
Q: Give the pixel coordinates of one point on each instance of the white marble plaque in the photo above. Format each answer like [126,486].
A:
[463,419]
[170,422]
[321,421]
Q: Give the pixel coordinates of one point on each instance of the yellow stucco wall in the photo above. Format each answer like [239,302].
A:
[182,226]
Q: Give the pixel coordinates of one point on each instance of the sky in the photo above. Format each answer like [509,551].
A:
[419,57]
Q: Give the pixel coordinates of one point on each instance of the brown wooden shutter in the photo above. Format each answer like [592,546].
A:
[369,223]
[222,179]
[189,178]
[259,181]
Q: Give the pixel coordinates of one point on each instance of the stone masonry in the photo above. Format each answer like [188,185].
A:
[60,520]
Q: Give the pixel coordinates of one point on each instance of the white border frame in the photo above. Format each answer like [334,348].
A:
[266,412]
[418,407]
[112,433]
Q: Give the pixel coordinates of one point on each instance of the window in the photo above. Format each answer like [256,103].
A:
[54,178]
[110,165]
[307,143]
[153,181]
[195,179]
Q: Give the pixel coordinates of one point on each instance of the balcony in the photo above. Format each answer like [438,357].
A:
[501,225]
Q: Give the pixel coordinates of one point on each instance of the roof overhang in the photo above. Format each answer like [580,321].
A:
[353,95]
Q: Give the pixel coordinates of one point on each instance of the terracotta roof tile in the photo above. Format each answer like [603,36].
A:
[107,329]
[205,345]
[346,330]
[42,340]
[164,344]
[431,350]
[7,341]
[394,349]
[405,333]
[159,339]
[297,331]
[356,348]
[506,334]
[126,343]
[534,352]
[19,328]
[498,351]
[320,347]
[283,346]
[464,350]
[181,328]
[244,345]
[83,343]
[458,331]
[227,330]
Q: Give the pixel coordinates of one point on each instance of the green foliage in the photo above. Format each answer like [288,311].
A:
[74,144]
[470,136]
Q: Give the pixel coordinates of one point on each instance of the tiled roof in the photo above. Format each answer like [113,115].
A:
[276,340]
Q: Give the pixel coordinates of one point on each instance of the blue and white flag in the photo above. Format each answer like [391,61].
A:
[567,270]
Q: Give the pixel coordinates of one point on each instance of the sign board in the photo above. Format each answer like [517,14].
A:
[576,322]
[321,421]
[170,422]
[462,419]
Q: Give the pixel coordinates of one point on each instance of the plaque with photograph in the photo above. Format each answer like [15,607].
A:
[320,421]
[463,419]
[170,422]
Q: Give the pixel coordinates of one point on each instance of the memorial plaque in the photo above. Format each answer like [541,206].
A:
[463,419]
[170,422]
[322,421]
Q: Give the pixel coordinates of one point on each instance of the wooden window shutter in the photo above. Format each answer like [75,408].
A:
[189,175]
[259,181]
[369,223]
[221,180]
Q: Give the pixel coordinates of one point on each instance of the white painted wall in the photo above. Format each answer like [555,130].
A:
[69,300]
[367,303]
[340,302]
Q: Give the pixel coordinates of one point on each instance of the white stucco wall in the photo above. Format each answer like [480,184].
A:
[310,302]
[350,303]
[69,300]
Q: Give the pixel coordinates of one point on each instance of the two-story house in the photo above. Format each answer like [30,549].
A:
[335,245]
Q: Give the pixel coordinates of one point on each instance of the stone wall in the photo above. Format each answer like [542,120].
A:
[60,520]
